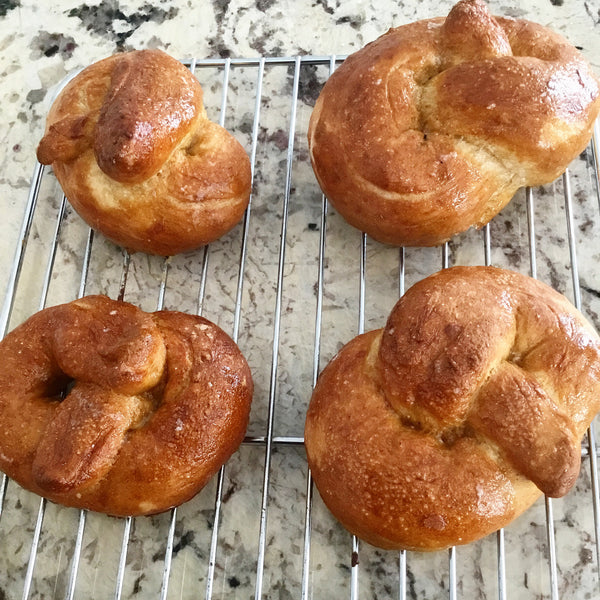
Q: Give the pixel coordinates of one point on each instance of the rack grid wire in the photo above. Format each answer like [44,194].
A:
[291,284]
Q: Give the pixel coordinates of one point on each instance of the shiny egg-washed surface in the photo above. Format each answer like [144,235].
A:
[432,128]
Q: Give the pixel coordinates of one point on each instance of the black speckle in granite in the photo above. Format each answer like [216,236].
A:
[216,42]
[585,556]
[328,9]
[410,576]
[49,44]
[260,43]
[586,155]
[137,584]
[229,492]
[264,5]
[313,227]
[220,7]
[344,567]
[35,96]
[310,85]
[246,124]
[557,2]
[555,280]
[591,291]
[17,148]
[595,16]
[568,520]
[185,540]
[5,6]
[233,582]
[586,225]
[280,591]
[356,22]
[581,196]
[101,19]
[279,138]
[219,48]
[478,573]
[513,255]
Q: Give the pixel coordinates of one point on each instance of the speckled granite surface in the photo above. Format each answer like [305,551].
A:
[41,43]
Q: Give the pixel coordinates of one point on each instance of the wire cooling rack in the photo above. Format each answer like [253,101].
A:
[291,284]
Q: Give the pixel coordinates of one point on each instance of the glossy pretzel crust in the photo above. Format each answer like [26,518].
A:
[137,157]
[432,128]
[448,423]
[109,408]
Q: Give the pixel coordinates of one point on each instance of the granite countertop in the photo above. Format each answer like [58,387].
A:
[41,44]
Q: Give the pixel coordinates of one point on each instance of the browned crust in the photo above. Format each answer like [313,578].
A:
[160,401]
[137,157]
[432,128]
[448,423]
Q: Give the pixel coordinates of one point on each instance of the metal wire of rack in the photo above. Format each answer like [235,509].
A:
[291,299]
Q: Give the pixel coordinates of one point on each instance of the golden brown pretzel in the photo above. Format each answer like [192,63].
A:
[451,421]
[432,128]
[131,145]
[106,407]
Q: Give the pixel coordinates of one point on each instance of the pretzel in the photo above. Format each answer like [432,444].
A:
[137,157]
[433,127]
[109,408]
[452,420]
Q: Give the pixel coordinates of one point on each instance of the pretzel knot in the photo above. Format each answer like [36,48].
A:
[449,422]
[137,157]
[106,407]
[433,127]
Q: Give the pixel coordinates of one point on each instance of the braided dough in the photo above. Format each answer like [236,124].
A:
[106,407]
[131,145]
[452,420]
[433,127]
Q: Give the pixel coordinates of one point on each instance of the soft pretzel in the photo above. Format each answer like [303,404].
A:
[109,408]
[432,128]
[452,420]
[131,145]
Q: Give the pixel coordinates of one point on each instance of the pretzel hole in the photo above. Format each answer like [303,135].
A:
[516,358]
[410,423]
[59,387]
[66,388]
[195,146]
[450,436]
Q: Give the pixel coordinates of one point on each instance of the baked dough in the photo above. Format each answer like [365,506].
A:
[109,408]
[433,127]
[137,157]
[452,420]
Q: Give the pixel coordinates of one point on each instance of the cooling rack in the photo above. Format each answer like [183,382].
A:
[291,284]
